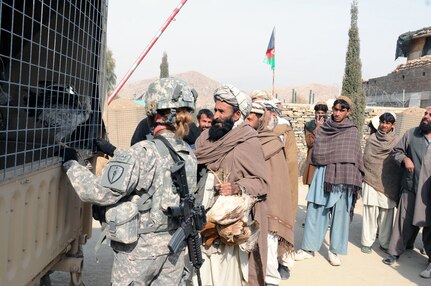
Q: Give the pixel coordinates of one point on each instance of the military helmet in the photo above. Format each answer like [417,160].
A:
[169,93]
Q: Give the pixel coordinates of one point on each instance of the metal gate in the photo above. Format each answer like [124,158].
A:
[52,66]
[50,69]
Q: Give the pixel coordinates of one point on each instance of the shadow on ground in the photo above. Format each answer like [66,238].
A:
[357,268]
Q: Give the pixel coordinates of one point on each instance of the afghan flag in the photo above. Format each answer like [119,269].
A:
[270,51]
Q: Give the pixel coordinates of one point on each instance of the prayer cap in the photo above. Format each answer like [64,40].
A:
[259,94]
[346,99]
[375,121]
[321,103]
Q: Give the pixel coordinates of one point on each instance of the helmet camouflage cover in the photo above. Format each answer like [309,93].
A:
[167,93]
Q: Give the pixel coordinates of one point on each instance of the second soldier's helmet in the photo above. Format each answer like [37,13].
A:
[169,93]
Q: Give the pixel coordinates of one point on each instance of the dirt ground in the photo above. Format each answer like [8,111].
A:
[357,268]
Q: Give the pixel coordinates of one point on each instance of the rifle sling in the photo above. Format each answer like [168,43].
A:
[181,173]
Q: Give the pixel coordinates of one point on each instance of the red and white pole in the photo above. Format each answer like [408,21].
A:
[145,52]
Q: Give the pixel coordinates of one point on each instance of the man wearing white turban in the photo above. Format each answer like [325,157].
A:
[231,146]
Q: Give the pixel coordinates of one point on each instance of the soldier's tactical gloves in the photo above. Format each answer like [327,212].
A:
[105,146]
[70,154]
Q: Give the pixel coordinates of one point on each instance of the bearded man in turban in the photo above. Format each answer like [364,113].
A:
[232,147]
[412,153]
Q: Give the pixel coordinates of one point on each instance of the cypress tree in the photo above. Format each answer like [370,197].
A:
[352,80]
[111,78]
[164,66]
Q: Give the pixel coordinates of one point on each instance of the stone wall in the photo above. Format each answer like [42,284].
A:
[301,113]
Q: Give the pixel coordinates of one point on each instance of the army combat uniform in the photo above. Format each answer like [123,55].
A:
[141,170]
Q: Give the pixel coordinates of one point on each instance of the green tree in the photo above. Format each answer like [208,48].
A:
[164,66]
[352,81]
[111,78]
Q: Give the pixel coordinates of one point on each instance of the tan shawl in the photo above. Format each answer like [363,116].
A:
[292,160]
[240,153]
[381,170]
[280,212]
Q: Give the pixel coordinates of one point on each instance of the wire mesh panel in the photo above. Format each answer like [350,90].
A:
[51,78]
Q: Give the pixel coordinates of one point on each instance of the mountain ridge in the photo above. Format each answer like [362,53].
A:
[205,87]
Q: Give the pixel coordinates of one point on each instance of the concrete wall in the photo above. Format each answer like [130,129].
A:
[409,80]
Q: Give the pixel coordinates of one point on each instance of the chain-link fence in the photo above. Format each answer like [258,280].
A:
[378,97]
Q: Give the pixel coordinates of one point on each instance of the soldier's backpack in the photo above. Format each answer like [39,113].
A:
[121,221]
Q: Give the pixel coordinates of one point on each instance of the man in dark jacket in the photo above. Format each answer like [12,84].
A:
[409,153]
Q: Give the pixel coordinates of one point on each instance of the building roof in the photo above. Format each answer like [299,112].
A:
[405,39]
[416,63]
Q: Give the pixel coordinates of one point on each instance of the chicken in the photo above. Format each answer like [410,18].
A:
[228,209]
[240,233]
[60,107]
[228,220]
[4,97]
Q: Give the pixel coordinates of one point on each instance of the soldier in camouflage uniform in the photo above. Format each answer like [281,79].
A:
[139,171]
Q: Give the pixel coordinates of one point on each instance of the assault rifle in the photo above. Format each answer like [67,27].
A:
[192,218]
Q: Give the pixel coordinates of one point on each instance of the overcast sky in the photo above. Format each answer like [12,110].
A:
[226,40]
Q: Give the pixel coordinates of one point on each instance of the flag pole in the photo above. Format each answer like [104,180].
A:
[145,52]
[270,57]
[273,80]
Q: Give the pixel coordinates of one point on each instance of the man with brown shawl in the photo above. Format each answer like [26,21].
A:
[280,218]
[231,146]
[381,184]
[335,186]
[414,204]
[284,129]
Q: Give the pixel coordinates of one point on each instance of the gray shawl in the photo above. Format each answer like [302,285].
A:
[422,213]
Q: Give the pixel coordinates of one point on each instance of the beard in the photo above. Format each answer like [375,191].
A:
[272,123]
[216,132]
[425,125]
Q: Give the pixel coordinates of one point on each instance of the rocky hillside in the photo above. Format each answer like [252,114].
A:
[205,87]
[321,92]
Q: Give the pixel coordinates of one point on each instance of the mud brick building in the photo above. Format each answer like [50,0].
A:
[409,85]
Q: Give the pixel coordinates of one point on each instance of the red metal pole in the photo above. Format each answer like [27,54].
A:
[145,52]
[273,71]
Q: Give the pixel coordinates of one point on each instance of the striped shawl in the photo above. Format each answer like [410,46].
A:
[337,146]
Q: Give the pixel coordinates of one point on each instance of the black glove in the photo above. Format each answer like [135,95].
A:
[104,146]
[70,154]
